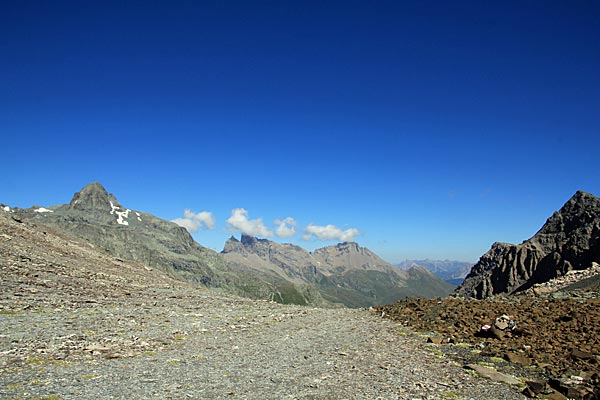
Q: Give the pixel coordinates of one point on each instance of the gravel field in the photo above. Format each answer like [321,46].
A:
[77,323]
[177,344]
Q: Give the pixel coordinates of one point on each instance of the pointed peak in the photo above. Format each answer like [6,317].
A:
[232,245]
[580,195]
[581,200]
[233,239]
[94,196]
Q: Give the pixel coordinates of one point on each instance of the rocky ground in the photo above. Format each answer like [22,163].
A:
[77,323]
[555,343]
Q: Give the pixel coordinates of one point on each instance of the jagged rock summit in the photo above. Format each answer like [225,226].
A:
[569,240]
[94,196]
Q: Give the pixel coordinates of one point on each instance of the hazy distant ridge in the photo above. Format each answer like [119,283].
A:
[449,270]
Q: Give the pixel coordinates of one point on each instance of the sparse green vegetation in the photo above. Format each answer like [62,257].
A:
[9,312]
[89,377]
[46,361]
[449,395]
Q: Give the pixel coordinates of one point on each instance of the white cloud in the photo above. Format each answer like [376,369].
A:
[193,222]
[253,227]
[286,228]
[330,232]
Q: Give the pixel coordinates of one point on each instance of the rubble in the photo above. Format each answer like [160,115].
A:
[548,339]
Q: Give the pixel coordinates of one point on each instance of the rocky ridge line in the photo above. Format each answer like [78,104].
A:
[569,240]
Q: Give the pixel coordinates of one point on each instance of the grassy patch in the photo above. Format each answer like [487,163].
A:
[9,312]
[46,361]
[449,395]
[462,345]
[486,364]
[88,377]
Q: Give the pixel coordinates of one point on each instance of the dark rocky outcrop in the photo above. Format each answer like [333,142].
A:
[569,240]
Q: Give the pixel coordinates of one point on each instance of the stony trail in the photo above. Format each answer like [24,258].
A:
[176,344]
[77,323]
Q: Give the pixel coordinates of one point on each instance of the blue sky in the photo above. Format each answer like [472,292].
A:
[418,129]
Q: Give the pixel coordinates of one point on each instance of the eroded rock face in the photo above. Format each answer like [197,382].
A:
[569,240]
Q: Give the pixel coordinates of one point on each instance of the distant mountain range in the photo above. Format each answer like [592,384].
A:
[569,240]
[343,274]
[453,272]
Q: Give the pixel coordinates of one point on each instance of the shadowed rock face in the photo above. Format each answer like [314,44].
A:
[569,240]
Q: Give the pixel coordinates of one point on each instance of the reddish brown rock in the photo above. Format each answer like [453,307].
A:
[517,358]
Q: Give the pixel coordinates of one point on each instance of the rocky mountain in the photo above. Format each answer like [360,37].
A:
[51,268]
[345,273]
[96,216]
[569,240]
[453,272]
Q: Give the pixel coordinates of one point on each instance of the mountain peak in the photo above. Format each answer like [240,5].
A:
[94,196]
[248,240]
[580,199]
[581,209]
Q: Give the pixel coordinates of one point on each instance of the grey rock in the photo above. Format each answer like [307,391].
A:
[493,374]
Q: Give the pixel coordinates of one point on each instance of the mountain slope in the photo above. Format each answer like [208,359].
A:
[96,216]
[344,273]
[38,262]
[569,240]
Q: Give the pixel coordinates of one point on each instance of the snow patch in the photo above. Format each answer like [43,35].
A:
[42,210]
[139,218]
[6,208]
[121,215]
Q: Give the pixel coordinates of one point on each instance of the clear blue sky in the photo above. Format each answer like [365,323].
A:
[430,128]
